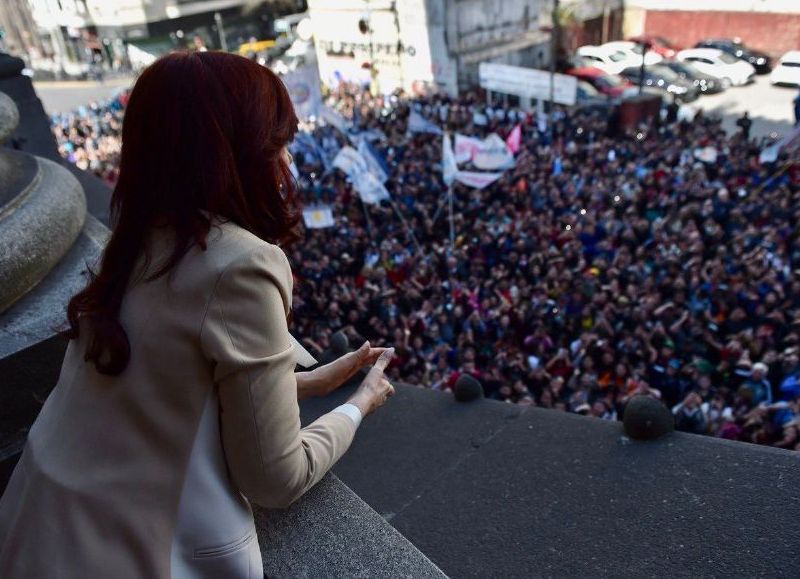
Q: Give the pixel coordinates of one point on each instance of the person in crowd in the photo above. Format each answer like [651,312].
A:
[745,123]
[659,260]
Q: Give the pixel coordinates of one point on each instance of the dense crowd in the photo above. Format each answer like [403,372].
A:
[90,137]
[662,260]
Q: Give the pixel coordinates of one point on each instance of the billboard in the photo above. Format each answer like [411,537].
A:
[527,82]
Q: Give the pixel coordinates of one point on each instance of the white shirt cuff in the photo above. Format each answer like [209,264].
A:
[350,410]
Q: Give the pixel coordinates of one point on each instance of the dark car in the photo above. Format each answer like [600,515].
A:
[588,98]
[733,46]
[663,79]
[705,82]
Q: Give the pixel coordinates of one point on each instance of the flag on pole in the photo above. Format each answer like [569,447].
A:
[514,139]
[493,154]
[449,166]
[334,118]
[318,217]
[370,189]
[465,147]
[476,179]
[375,164]
[419,124]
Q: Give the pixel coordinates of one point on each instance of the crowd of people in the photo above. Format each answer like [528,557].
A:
[661,260]
[91,136]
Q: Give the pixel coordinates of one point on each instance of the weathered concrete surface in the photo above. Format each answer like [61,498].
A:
[9,116]
[488,492]
[34,317]
[30,350]
[330,532]
[33,135]
[18,172]
[39,230]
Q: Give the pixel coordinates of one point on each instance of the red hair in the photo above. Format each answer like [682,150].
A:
[202,137]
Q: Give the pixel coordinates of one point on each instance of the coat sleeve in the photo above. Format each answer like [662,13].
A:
[244,334]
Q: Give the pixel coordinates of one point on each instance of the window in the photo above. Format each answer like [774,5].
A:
[616,56]
[728,59]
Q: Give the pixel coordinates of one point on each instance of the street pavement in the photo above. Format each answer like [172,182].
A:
[64,96]
[770,107]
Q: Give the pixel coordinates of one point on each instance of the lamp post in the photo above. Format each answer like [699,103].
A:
[223,44]
[645,46]
[365,27]
[554,41]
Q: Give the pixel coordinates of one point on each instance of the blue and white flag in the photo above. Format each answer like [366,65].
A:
[334,118]
[368,186]
[419,124]
[375,164]
[318,217]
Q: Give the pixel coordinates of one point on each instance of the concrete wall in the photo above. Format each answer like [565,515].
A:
[774,33]
[776,6]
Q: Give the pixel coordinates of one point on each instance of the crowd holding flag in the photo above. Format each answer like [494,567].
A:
[419,124]
[318,217]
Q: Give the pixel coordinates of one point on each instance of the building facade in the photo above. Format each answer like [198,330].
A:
[769,25]
[78,33]
[425,45]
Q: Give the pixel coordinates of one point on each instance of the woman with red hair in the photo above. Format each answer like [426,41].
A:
[177,403]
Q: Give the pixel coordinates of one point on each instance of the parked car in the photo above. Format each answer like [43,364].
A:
[658,44]
[589,98]
[733,46]
[706,83]
[609,60]
[729,69]
[610,85]
[664,80]
[787,70]
[634,51]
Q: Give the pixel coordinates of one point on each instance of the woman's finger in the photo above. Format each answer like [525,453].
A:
[383,360]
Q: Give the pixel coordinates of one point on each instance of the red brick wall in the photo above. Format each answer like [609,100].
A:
[772,33]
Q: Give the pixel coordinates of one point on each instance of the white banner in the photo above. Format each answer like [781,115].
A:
[527,82]
[465,147]
[318,217]
[488,154]
[493,154]
[789,142]
[477,180]
[302,85]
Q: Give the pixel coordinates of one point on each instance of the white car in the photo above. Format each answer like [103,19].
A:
[787,70]
[608,60]
[729,69]
[634,51]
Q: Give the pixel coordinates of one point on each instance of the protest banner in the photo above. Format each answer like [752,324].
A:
[493,154]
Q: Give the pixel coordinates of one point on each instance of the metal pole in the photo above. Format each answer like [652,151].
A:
[409,231]
[554,34]
[452,224]
[369,223]
[641,70]
[223,44]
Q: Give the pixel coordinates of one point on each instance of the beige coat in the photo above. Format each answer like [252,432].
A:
[139,475]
